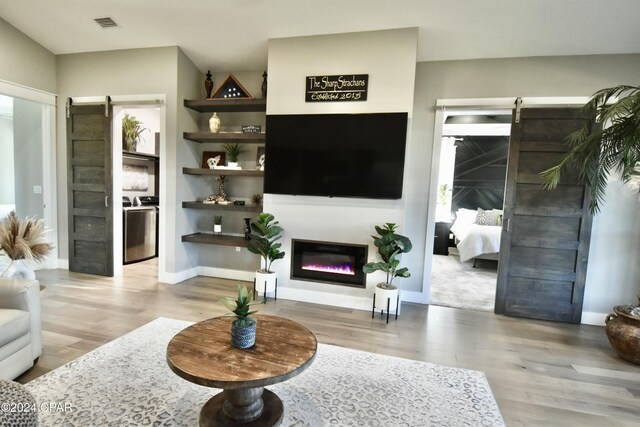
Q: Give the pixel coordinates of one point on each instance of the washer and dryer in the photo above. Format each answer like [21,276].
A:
[140,223]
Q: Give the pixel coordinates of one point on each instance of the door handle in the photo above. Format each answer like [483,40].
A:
[507,224]
[106,201]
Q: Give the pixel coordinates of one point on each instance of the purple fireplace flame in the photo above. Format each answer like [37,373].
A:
[329,262]
[346,269]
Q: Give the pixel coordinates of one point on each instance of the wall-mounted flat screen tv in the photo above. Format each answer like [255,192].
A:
[336,155]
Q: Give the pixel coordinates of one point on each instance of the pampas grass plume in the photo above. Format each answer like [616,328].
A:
[23,239]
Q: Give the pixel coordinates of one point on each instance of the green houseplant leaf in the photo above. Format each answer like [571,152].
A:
[390,245]
[595,153]
[265,233]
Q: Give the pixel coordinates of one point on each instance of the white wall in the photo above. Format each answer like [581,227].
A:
[27,137]
[535,77]
[7,189]
[389,59]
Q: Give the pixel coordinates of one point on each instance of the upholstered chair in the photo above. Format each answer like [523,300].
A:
[20,326]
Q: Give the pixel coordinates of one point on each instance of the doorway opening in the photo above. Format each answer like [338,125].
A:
[136,179]
[469,207]
[28,161]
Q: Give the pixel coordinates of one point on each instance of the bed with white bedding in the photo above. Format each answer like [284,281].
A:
[477,233]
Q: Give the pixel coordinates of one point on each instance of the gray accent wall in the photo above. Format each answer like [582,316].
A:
[24,61]
[613,273]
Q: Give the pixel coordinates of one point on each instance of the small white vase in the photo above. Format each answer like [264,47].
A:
[18,269]
[265,282]
[232,164]
[215,123]
[386,296]
[217,228]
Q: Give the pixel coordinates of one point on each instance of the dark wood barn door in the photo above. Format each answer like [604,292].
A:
[545,235]
[89,185]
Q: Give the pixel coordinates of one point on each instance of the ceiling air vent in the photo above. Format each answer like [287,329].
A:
[106,22]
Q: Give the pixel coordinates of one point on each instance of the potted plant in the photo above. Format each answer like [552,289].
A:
[265,232]
[594,155]
[131,130]
[243,328]
[390,245]
[217,224]
[22,240]
[233,151]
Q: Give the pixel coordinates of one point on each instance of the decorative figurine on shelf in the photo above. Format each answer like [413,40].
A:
[215,123]
[213,162]
[264,84]
[247,228]
[222,195]
[208,84]
[261,162]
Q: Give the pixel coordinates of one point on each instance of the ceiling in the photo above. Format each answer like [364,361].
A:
[232,35]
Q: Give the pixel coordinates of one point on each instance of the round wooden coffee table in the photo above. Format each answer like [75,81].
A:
[203,354]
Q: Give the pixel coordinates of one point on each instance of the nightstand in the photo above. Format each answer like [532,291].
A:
[441,238]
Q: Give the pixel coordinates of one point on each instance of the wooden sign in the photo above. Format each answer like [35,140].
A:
[348,87]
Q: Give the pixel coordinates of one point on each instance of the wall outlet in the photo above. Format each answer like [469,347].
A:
[37,189]
[237,248]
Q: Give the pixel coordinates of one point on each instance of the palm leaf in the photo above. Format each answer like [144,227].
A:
[615,147]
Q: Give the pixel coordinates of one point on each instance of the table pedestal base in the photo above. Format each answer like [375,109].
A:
[250,407]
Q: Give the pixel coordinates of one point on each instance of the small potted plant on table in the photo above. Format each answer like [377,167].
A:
[390,245]
[265,232]
[243,328]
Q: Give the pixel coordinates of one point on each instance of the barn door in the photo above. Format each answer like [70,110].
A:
[545,235]
[89,185]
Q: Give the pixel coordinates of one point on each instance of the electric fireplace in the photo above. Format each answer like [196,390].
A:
[329,262]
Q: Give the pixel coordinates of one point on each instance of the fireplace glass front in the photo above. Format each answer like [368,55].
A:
[329,262]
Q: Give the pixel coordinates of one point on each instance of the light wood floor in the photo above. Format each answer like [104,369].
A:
[541,373]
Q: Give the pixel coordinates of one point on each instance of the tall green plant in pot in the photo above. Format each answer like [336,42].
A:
[265,233]
[131,130]
[390,246]
[594,155]
[243,328]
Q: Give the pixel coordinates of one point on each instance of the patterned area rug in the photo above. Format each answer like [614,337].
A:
[127,382]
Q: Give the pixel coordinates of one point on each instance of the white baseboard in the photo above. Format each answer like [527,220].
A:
[223,273]
[63,264]
[173,278]
[325,298]
[591,318]
[413,296]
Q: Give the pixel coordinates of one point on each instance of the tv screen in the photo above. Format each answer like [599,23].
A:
[336,155]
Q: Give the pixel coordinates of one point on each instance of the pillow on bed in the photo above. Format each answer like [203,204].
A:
[487,217]
[466,216]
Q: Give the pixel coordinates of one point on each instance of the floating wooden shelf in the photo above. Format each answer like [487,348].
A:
[215,239]
[227,172]
[227,105]
[213,206]
[245,138]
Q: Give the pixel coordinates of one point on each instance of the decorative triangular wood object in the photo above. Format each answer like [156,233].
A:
[231,89]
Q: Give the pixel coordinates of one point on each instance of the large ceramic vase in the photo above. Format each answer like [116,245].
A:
[243,335]
[18,269]
[386,297]
[215,123]
[623,331]
[265,282]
